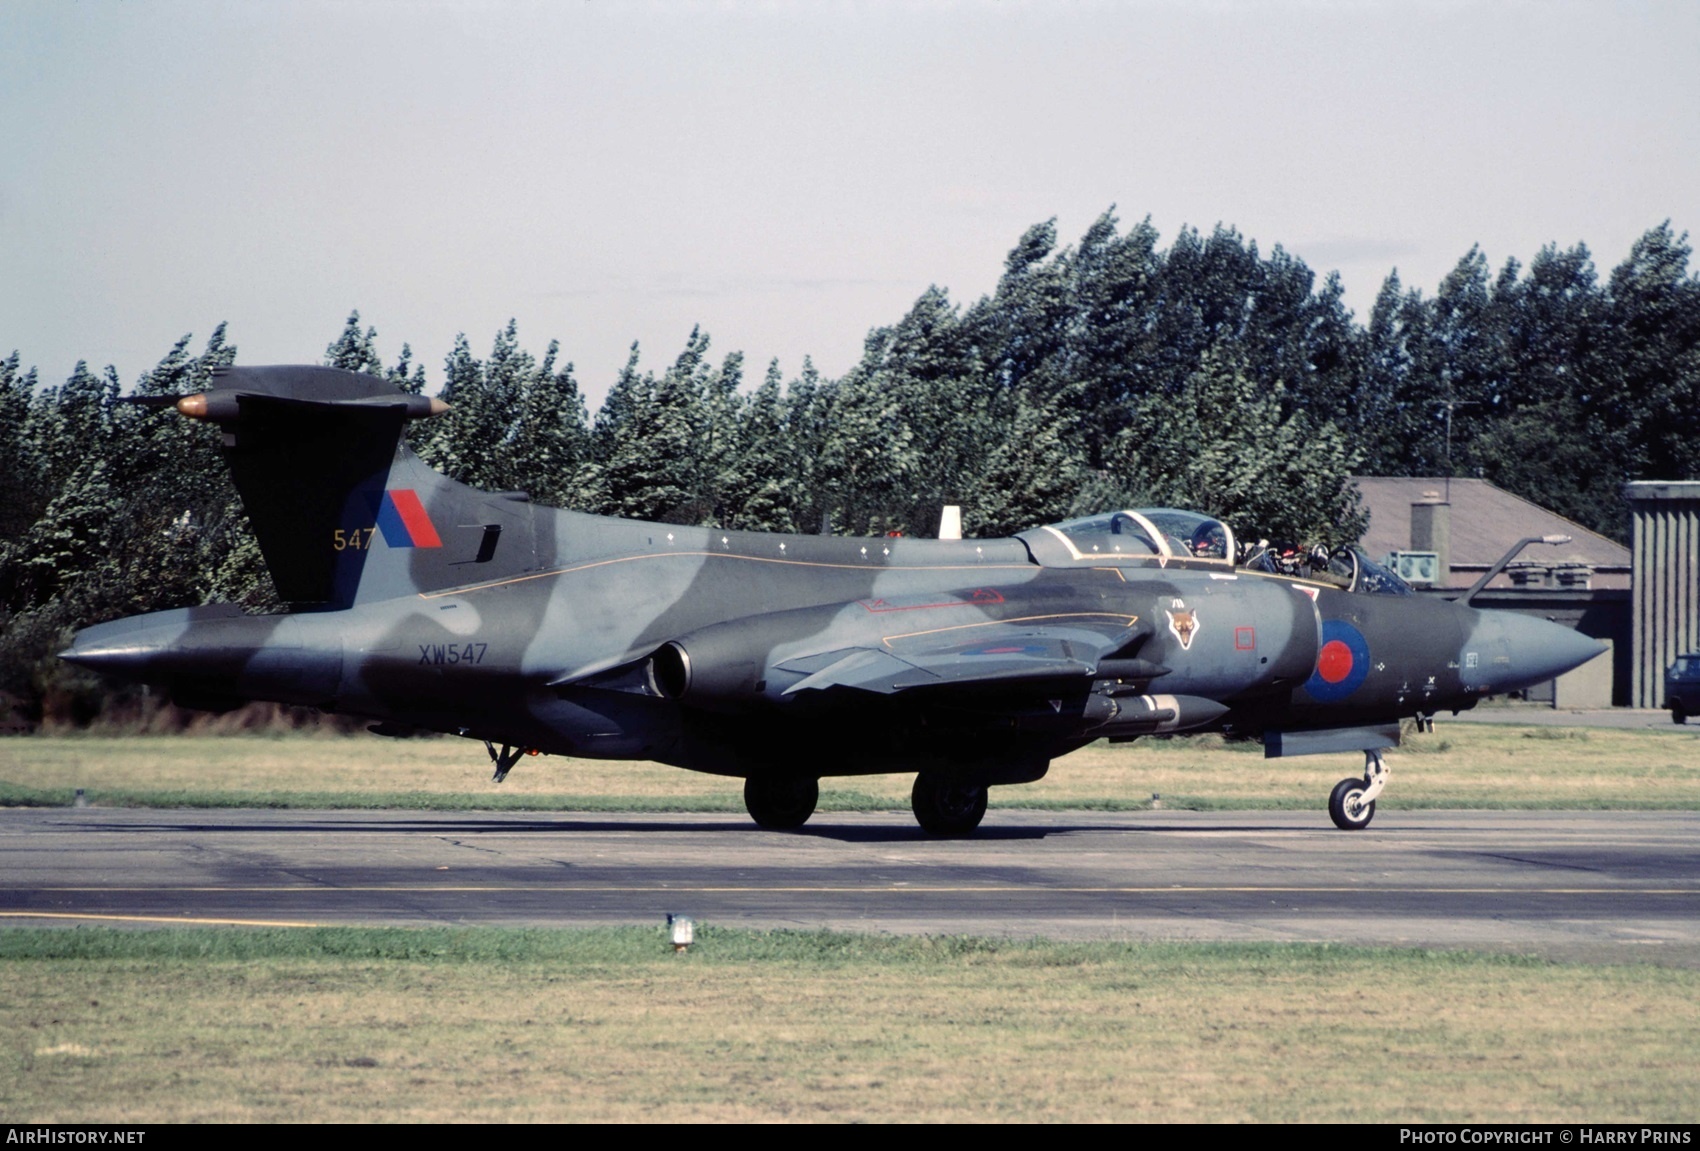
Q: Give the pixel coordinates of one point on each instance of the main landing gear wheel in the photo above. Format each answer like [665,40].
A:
[946,806]
[1351,805]
[1677,715]
[781,803]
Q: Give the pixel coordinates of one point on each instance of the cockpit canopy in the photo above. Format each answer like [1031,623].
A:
[1169,534]
[1345,567]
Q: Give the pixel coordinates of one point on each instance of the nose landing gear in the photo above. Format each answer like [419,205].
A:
[1351,805]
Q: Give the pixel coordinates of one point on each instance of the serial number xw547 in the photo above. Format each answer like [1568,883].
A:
[450,653]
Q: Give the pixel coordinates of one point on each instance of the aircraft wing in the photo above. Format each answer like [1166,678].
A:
[740,661]
[1007,653]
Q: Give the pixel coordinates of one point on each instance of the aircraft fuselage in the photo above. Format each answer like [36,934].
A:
[422,604]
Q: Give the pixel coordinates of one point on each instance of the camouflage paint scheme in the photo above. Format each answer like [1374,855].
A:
[423,604]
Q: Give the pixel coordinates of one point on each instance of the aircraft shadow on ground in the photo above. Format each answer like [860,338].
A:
[898,831]
[848,834]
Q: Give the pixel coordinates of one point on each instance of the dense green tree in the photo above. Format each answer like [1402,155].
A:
[808,417]
[22,486]
[1651,374]
[357,351]
[1032,307]
[1384,414]
[173,463]
[618,406]
[514,423]
[71,544]
[186,517]
[1536,435]
[929,371]
[1222,446]
[139,513]
[1036,471]
[719,446]
[1318,348]
[1117,295]
[1112,372]
[70,421]
[492,457]
[761,486]
[649,462]
[468,442]
[1457,368]
[550,444]
[867,459]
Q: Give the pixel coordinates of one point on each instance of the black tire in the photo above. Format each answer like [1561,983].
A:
[780,802]
[1677,715]
[946,806]
[1345,806]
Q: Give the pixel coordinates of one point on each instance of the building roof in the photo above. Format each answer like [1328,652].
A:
[1485,522]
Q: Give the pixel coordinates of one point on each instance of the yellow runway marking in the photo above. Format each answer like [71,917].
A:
[189,920]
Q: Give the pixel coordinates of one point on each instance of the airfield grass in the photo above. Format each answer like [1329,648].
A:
[489,1024]
[430,1025]
[1460,766]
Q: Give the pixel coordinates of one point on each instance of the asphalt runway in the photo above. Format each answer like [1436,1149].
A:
[1540,715]
[1597,886]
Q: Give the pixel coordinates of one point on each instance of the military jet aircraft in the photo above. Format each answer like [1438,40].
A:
[423,604]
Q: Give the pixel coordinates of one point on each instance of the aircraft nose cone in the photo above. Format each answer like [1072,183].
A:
[1540,649]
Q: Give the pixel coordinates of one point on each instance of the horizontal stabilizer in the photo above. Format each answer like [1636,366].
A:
[308,385]
[342,510]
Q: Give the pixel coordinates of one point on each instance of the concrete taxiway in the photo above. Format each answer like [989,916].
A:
[1600,886]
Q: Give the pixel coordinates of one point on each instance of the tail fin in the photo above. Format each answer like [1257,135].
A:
[343,511]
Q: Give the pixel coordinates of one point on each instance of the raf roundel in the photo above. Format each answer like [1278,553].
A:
[1342,662]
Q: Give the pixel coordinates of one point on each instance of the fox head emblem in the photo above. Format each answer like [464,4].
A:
[1183,624]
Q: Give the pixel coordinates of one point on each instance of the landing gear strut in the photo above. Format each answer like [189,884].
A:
[779,802]
[1351,805]
[947,806]
[504,759]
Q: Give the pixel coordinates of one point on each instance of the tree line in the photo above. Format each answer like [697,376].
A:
[1110,372]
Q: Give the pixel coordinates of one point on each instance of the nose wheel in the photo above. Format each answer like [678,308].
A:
[1351,805]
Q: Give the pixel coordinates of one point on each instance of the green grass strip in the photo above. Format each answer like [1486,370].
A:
[596,946]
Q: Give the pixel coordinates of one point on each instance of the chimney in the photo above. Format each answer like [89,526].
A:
[1431,531]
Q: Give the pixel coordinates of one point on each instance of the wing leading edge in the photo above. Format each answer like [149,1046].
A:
[996,653]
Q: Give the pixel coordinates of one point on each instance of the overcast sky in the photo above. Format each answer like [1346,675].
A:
[785,175]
